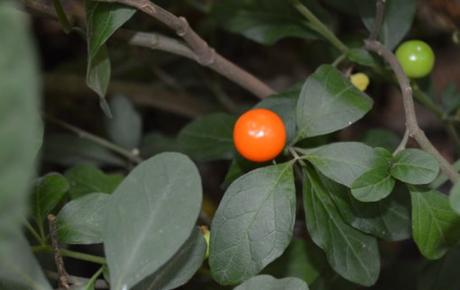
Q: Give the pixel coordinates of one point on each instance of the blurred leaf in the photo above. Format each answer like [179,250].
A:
[155,142]
[381,138]
[285,107]
[361,56]
[376,183]
[155,207]
[414,166]
[86,179]
[103,19]
[352,254]
[345,6]
[81,220]
[388,219]
[20,269]
[266,22]
[49,191]
[182,266]
[253,224]
[435,226]
[302,259]
[68,150]
[399,15]
[450,98]
[125,128]
[454,197]
[267,282]
[209,138]
[342,161]
[20,128]
[329,102]
[441,274]
[332,281]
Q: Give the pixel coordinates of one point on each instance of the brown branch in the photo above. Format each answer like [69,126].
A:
[204,54]
[409,109]
[378,22]
[63,277]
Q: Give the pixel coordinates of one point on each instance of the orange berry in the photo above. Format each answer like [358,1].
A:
[259,135]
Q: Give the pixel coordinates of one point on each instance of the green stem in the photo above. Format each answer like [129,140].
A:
[34,233]
[427,102]
[62,17]
[71,254]
[319,26]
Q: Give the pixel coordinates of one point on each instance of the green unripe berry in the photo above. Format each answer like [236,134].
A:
[416,58]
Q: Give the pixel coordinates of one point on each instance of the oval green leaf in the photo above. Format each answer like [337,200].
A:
[414,166]
[267,282]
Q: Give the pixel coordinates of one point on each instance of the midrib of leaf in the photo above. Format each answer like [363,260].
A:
[433,220]
[401,164]
[373,185]
[271,191]
[320,158]
[340,230]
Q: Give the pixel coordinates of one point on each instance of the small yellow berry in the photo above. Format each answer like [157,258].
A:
[360,81]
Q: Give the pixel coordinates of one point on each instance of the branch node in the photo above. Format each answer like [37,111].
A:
[148,7]
[183,27]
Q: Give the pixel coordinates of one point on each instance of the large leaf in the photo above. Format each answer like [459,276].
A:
[86,179]
[81,220]
[182,266]
[103,19]
[265,22]
[49,191]
[125,128]
[414,166]
[342,161]
[149,216]
[376,183]
[399,15]
[329,102]
[350,253]
[20,270]
[454,197]
[435,226]
[267,282]
[68,150]
[253,224]
[209,138]
[388,219]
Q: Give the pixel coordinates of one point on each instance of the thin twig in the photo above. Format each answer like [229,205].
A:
[96,139]
[79,281]
[409,109]
[63,276]
[403,143]
[378,22]
[62,16]
[70,254]
[204,54]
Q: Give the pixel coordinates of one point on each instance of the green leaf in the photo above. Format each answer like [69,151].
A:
[155,207]
[450,98]
[91,283]
[414,166]
[381,138]
[285,107]
[399,15]
[266,22]
[302,259]
[208,138]
[435,226]
[253,224]
[49,191]
[267,282]
[68,150]
[388,219]
[376,183]
[103,19]
[362,57]
[350,253]
[155,142]
[81,220]
[20,269]
[343,162]
[454,197]
[180,269]
[125,128]
[20,128]
[328,102]
[441,274]
[86,179]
